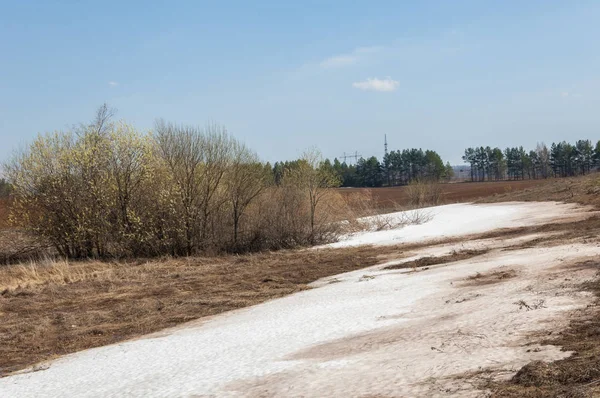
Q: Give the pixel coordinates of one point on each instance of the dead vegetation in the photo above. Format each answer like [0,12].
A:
[424,193]
[430,260]
[587,229]
[536,305]
[488,278]
[15,245]
[53,308]
[583,190]
[50,308]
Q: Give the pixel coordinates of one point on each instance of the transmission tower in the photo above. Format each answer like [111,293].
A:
[385,144]
[356,156]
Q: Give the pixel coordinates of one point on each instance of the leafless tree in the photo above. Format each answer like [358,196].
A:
[544,159]
[197,159]
[315,180]
[245,180]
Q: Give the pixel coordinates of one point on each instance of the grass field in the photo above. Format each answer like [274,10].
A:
[54,308]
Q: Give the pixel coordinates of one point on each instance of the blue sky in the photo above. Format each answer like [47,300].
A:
[284,76]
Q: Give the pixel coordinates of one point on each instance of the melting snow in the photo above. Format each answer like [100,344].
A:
[392,333]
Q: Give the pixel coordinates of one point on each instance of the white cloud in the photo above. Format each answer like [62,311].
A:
[113,84]
[338,61]
[342,60]
[375,84]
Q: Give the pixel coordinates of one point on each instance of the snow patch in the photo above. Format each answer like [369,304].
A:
[464,219]
[389,334]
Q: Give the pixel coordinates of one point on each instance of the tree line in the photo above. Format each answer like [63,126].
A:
[106,189]
[560,160]
[396,168]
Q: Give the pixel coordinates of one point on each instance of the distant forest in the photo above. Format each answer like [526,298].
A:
[397,168]
[561,160]
[401,167]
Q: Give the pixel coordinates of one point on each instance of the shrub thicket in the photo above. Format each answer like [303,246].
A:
[108,190]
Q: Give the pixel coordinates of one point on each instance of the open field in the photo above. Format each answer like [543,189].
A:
[386,197]
[453,307]
[438,329]
[583,190]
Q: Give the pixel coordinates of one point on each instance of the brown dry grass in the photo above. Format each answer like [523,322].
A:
[14,244]
[488,278]
[588,229]
[53,308]
[4,212]
[583,190]
[430,260]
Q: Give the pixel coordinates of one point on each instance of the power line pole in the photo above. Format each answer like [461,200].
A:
[356,156]
[385,160]
[385,144]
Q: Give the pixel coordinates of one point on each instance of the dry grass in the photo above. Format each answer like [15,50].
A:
[16,246]
[488,278]
[583,190]
[54,307]
[588,230]
[428,261]
[51,308]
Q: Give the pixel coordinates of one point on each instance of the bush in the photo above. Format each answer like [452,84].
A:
[108,190]
[424,193]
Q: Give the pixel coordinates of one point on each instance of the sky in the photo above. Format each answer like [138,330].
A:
[286,76]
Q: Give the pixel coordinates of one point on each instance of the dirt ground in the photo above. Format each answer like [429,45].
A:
[583,190]
[52,309]
[451,192]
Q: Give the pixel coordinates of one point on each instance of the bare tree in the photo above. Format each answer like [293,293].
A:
[196,159]
[543,156]
[104,115]
[316,181]
[245,180]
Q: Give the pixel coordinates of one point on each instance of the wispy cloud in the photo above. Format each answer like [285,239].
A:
[375,84]
[113,84]
[342,60]
[338,61]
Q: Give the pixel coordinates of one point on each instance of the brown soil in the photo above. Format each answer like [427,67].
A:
[450,258]
[583,190]
[387,197]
